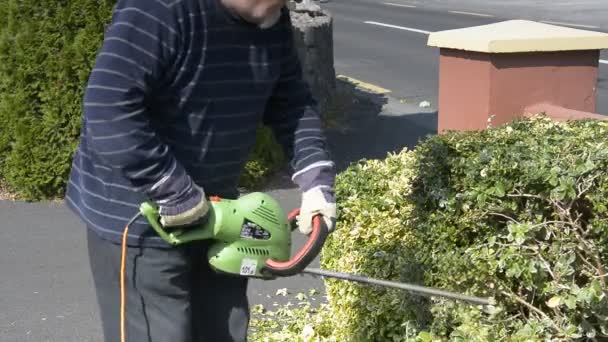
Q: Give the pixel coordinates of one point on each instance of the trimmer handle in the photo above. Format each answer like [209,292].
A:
[304,256]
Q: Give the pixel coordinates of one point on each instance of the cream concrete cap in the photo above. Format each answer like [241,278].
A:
[518,36]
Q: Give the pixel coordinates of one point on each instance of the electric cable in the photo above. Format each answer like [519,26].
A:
[123,263]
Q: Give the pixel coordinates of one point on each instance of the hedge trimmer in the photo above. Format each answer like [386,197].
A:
[252,238]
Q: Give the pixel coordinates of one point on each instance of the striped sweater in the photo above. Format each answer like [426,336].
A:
[176,94]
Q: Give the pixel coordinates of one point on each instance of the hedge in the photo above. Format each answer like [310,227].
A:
[47,49]
[524,208]
[516,213]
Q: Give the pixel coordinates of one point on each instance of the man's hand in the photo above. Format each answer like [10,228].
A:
[317,201]
[189,210]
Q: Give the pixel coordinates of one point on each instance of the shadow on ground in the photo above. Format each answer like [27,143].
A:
[363,125]
[373,125]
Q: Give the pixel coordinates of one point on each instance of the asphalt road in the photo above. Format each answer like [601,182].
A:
[590,13]
[398,59]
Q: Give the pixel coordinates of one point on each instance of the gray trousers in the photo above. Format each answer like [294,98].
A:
[171,295]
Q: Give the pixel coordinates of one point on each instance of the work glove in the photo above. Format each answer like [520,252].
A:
[317,201]
[190,209]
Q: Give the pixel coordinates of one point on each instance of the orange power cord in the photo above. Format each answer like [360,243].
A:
[123,262]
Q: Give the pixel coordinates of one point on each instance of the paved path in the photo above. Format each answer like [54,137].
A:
[46,292]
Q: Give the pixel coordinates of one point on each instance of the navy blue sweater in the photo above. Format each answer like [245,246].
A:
[176,94]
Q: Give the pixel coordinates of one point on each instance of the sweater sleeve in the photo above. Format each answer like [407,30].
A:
[292,113]
[140,44]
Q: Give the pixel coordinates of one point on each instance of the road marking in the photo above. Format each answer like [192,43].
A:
[399,5]
[602,61]
[569,24]
[397,27]
[364,85]
[472,13]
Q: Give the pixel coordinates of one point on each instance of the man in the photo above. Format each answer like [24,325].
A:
[171,109]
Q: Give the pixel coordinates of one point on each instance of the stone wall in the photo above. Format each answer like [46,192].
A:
[313,33]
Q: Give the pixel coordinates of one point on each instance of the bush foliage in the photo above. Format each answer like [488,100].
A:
[517,214]
[47,49]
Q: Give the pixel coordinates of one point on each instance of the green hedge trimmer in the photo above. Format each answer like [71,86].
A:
[253,239]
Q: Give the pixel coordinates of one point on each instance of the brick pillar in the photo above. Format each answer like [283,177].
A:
[498,71]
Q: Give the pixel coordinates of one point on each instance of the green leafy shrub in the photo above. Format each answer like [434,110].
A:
[46,52]
[292,322]
[267,157]
[371,240]
[47,49]
[516,213]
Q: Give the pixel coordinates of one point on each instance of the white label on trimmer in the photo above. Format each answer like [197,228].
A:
[248,267]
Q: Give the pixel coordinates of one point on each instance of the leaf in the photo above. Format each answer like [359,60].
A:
[499,190]
[596,288]
[424,337]
[570,302]
[282,292]
[554,302]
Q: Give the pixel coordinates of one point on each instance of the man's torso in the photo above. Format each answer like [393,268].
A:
[207,111]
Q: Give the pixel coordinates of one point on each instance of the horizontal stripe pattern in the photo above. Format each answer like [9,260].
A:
[175,97]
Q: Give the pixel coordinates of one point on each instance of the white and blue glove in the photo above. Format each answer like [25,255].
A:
[317,201]
[318,198]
